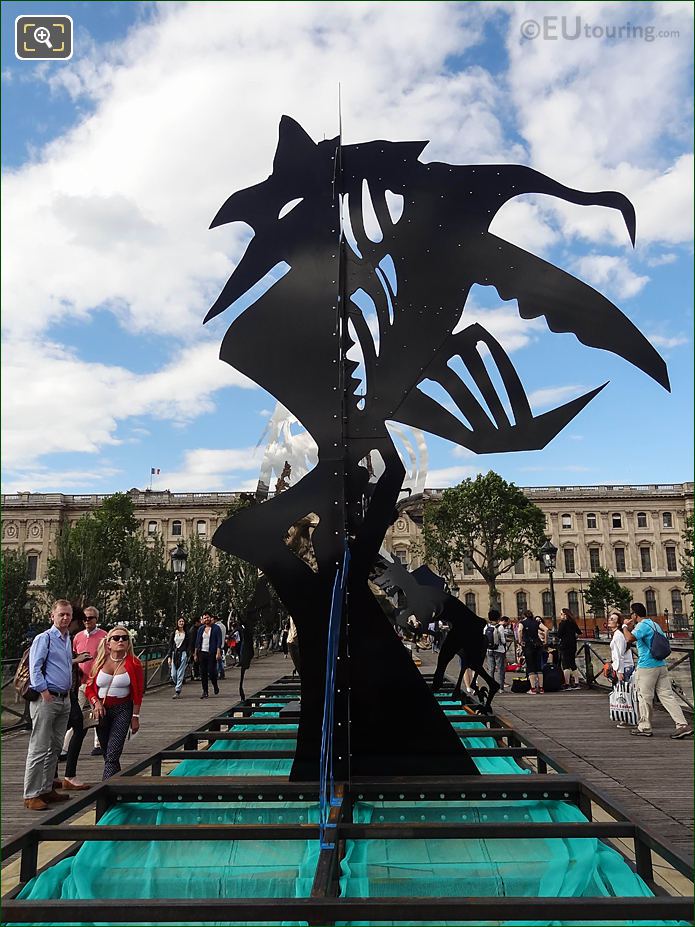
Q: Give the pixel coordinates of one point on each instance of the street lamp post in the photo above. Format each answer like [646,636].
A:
[178,565]
[581,598]
[548,557]
[668,630]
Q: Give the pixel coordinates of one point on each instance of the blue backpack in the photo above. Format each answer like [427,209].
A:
[659,646]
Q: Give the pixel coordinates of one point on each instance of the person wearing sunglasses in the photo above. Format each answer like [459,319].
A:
[114,690]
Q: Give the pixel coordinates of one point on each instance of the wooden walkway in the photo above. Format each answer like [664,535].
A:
[651,778]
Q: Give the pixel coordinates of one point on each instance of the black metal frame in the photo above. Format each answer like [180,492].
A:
[547,780]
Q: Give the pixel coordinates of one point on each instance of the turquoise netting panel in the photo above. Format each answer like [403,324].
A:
[548,868]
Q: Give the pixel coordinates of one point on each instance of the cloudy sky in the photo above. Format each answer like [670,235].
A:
[115,162]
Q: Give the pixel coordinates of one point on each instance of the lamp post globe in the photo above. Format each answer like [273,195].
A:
[178,566]
[548,557]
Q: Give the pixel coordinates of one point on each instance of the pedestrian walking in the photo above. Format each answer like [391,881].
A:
[568,632]
[532,640]
[87,641]
[623,706]
[179,652]
[76,728]
[115,691]
[652,675]
[208,649]
[50,679]
[223,646]
[496,647]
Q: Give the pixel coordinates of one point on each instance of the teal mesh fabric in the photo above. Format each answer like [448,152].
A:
[260,767]
[525,867]
[205,869]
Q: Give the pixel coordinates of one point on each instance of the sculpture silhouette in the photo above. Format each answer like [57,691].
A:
[376,253]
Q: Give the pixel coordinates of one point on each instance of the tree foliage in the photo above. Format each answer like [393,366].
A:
[18,606]
[90,553]
[604,592]
[486,520]
[688,552]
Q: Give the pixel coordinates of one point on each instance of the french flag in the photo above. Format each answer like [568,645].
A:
[154,471]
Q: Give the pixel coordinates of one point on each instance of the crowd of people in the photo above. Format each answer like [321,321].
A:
[81,676]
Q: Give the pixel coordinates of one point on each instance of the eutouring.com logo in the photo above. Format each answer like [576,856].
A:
[572,28]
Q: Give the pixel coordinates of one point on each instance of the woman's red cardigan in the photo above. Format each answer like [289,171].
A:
[137,682]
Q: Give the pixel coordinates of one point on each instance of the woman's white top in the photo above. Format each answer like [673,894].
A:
[178,638]
[120,684]
[621,655]
[205,643]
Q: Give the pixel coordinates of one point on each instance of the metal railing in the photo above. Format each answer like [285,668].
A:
[680,664]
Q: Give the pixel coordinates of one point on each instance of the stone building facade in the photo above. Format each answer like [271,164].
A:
[633,531]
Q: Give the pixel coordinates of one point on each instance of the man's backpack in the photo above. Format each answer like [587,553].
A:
[22,676]
[659,646]
[553,678]
[21,681]
[491,636]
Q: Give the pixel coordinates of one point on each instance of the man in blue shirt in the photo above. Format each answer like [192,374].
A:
[651,676]
[50,674]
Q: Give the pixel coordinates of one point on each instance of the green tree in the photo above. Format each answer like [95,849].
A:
[487,521]
[605,592]
[688,552]
[18,606]
[146,599]
[90,554]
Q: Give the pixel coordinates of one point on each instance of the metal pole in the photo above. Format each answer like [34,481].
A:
[552,598]
[581,596]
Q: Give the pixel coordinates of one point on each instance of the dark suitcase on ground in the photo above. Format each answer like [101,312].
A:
[553,678]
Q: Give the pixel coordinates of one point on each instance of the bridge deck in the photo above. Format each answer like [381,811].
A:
[650,778]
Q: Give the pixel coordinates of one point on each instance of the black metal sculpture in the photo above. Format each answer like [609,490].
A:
[382,251]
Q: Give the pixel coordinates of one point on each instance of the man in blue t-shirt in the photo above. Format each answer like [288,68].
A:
[651,676]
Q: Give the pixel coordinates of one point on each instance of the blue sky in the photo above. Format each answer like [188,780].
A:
[115,162]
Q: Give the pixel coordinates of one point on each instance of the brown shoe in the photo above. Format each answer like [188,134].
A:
[35,804]
[53,797]
[74,785]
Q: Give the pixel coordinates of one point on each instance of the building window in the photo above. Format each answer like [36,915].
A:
[619,559]
[594,559]
[32,567]
[641,519]
[176,528]
[547,605]
[573,602]
[645,557]
[671,564]
[676,602]
[469,600]
[650,602]
[521,602]
[566,521]
[467,566]
[519,567]
[668,520]
[591,520]
[617,520]
[402,554]
[569,559]
[151,527]
[201,528]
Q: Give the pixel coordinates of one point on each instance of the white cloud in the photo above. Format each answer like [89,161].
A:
[664,341]
[59,403]
[208,470]
[505,324]
[601,115]
[610,274]
[659,259]
[43,479]
[450,476]
[553,396]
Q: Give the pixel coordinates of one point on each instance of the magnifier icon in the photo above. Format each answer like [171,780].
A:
[42,35]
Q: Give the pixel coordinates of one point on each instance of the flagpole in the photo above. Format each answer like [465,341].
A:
[150,479]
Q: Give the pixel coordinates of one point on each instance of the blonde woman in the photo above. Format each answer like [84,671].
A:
[114,690]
